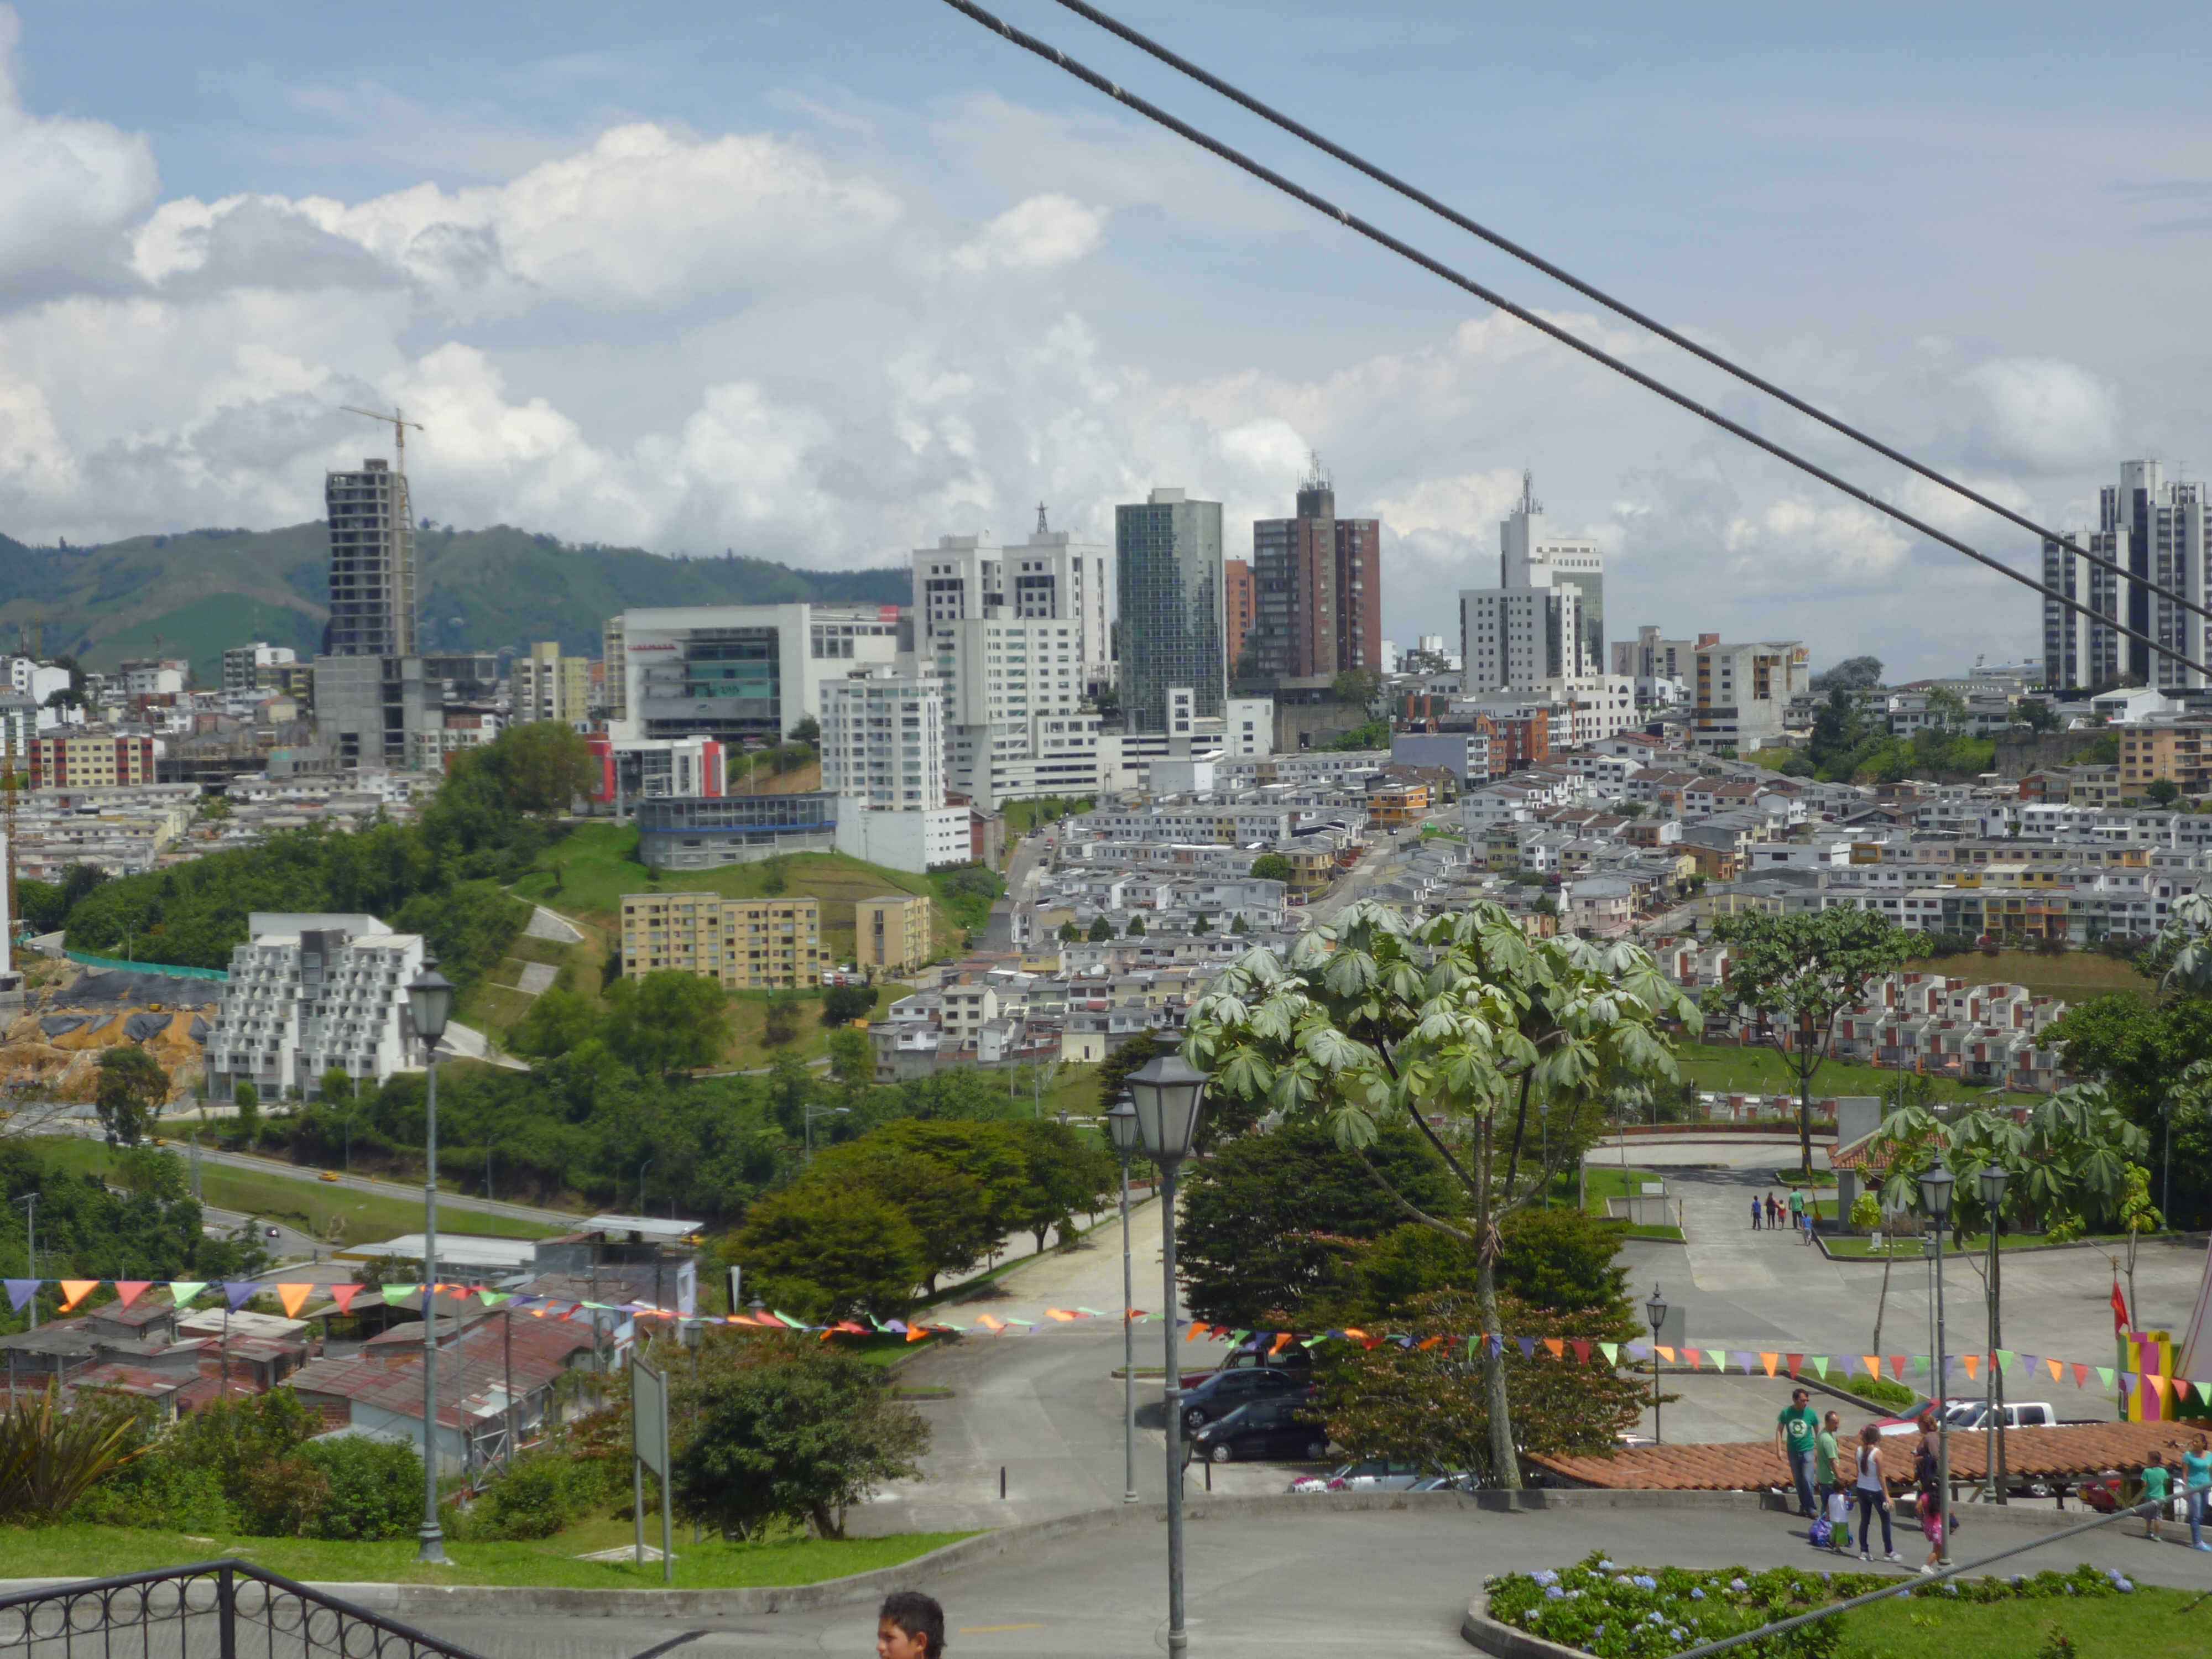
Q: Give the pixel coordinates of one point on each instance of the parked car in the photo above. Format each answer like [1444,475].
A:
[2028,1415]
[1223,1391]
[1369,1474]
[1260,1428]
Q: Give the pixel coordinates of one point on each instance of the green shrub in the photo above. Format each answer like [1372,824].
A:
[161,1495]
[376,1487]
[1883,1392]
[542,1493]
[284,1496]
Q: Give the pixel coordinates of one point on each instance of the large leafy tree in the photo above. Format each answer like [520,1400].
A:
[1436,1025]
[132,1086]
[669,1021]
[1801,972]
[829,1251]
[2068,1159]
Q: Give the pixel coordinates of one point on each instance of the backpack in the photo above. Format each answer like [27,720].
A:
[1821,1532]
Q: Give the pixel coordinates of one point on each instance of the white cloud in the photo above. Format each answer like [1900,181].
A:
[1794,538]
[1033,235]
[2042,415]
[69,190]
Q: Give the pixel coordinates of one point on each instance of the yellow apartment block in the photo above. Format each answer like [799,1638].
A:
[763,943]
[890,933]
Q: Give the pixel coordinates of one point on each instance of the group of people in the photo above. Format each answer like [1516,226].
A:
[2191,1479]
[1768,1213]
[1829,1476]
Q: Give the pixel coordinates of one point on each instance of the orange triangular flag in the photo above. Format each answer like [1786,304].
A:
[1430,1341]
[343,1296]
[128,1289]
[1768,1360]
[294,1297]
[2058,1369]
[75,1291]
[1873,1363]
[1558,1346]
[1667,1354]
[1972,1362]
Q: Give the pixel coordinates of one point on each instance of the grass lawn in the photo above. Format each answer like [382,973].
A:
[309,1205]
[1908,1249]
[72,1551]
[748,1047]
[1725,1069]
[2077,976]
[2153,1623]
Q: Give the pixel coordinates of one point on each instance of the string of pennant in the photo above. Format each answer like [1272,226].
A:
[1773,1362]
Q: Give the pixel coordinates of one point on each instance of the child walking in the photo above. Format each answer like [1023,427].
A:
[2158,1480]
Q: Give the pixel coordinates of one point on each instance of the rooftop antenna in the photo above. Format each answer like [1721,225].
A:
[1529,501]
[1041,530]
[397,422]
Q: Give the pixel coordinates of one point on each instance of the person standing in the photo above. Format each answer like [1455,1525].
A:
[1868,1486]
[1795,1432]
[2196,1478]
[1927,1478]
[2158,1480]
[1754,1212]
[1824,1455]
[1796,1210]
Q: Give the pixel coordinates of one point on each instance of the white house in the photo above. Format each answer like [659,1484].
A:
[311,992]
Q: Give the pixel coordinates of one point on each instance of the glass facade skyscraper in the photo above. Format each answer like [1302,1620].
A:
[1174,629]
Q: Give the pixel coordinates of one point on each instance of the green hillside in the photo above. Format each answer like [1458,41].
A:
[192,595]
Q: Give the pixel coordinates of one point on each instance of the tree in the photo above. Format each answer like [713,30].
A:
[808,730]
[1239,925]
[1069,933]
[1271,866]
[132,1087]
[669,1021]
[1355,686]
[946,1207]
[540,767]
[829,1251]
[843,1004]
[1114,1071]
[2037,715]
[781,1024]
[799,1433]
[2068,1159]
[775,873]
[1802,972]
[1271,1221]
[1200,925]
[1063,1174]
[1853,673]
[247,1098]
[851,1058]
[1136,929]
[1101,930]
[2163,792]
[335,1086]
[1457,1021]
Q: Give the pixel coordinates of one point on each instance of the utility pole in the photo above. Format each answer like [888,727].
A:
[30,1203]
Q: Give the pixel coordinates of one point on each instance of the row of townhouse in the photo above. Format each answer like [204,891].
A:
[1002,1016]
[1221,899]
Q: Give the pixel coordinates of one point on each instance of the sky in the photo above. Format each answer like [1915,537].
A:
[822,280]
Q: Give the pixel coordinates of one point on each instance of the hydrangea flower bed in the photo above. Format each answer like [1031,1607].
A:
[1616,1612]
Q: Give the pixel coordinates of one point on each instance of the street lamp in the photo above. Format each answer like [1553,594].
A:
[642,1169]
[430,1003]
[1656,1311]
[1167,1091]
[1936,1185]
[1122,1129]
[808,1114]
[1992,1181]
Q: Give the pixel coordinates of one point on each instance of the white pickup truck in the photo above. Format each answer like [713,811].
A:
[2027,1414]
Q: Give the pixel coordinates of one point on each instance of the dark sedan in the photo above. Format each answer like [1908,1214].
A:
[1226,1390]
[1264,1429]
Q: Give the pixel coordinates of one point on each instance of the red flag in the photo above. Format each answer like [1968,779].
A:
[2120,1318]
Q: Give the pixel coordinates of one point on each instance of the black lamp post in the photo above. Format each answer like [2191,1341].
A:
[1122,1129]
[1656,1311]
[429,1004]
[1167,1091]
[1992,1181]
[1935,1184]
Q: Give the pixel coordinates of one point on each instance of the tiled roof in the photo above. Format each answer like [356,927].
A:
[2068,1450]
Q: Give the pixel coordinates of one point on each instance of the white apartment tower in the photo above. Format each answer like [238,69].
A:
[1545,618]
[883,740]
[312,993]
[2155,531]
[1054,576]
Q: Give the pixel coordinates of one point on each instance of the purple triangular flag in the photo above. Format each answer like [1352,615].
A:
[1527,1346]
[20,1291]
[239,1291]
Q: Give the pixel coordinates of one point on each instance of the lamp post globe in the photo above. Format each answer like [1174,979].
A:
[1935,1184]
[1122,1129]
[1656,1311]
[1167,1091]
[1992,1181]
[429,1001]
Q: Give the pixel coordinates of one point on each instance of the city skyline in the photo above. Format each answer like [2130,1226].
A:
[698,282]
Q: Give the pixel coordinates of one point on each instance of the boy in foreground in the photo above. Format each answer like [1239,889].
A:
[909,1625]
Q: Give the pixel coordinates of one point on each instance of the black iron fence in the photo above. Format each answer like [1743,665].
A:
[214,1610]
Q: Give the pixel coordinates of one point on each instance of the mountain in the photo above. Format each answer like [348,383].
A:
[192,595]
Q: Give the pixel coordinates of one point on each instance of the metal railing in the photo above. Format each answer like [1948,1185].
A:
[212,1610]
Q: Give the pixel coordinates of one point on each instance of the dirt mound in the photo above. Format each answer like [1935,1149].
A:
[52,1050]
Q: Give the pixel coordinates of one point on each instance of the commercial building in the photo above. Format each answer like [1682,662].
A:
[1054,576]
[739,674]
[1017,722]
[643,768]
[243,665]
[890,934]
[548,686]
[764,944]
[1238,605]
[2155,532]
[310,993]
[1742,693]
[1545,618]
[88,759]
[372,530]
[1168,554]
[700,832]
[1317,587]
[1661,668]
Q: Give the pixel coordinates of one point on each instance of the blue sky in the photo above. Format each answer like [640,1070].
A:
[821,282]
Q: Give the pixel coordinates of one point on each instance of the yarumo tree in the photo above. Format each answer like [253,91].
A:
[132,1086]
[1372,1019]
[1800,972]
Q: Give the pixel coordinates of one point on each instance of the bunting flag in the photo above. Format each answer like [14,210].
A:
[2004,1359]
[1610,1350]
[1694,1356]
[490,1298]
[128,1290]
[1873,1366]
[1528,1347]
[1768,1360]
[20,1291]
[1582,1351]
[182,1291]
[1819,1363]
[2104,1377]
[1557,1347]
[1972,1363]
[1896,1365]
[344,1294]
[1796,1364]
[75,1291]
[294,1297]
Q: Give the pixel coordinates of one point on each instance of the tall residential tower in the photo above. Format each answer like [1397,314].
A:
[2155,531]
[1174,629]
[1317,587]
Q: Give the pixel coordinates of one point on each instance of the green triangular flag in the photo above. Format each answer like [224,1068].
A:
[1920,1366]
[493,1298]
[2006,1358]
[1719,1357]
[391,1291]
[2105,1374]
[182,1291]
[1820,1365]
[1611,1351]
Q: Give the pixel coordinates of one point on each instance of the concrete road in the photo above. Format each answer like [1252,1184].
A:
[1284,1582]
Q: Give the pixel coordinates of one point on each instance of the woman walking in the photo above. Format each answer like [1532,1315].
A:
[2197,1478]
[1934,1511]
[1873,1495]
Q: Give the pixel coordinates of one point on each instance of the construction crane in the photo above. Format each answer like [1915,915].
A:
[397,422]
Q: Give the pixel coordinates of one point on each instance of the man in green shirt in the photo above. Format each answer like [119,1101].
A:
[1795,1437]
[1824,1458]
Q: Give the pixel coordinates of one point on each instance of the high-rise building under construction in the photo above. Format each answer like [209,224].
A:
[372,563]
